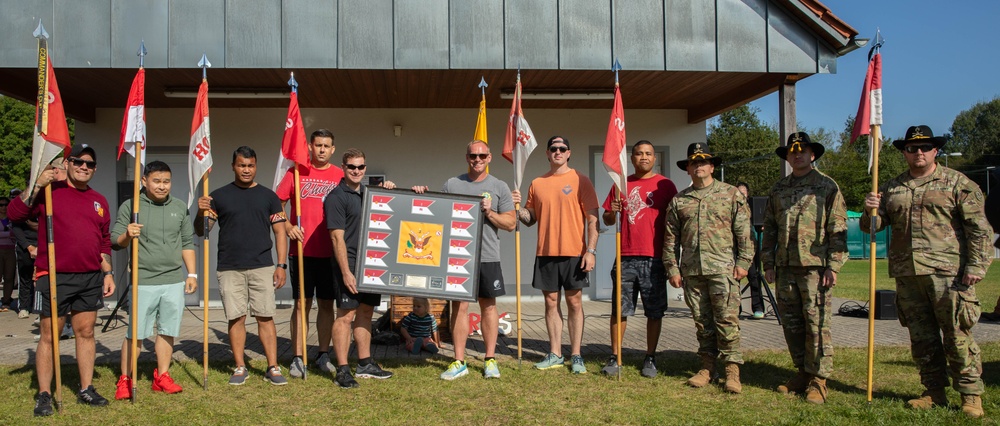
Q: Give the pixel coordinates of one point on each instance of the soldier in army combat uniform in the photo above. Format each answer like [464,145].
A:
[804,246]
[710,221]
[940,249]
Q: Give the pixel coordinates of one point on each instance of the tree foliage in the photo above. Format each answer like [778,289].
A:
[746,146]
[847,164]
[976,134]
[17,120]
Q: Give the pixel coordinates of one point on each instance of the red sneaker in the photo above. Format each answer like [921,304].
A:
[164,383]
[124,390]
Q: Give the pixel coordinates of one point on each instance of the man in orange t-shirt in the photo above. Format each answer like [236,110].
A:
[564,204]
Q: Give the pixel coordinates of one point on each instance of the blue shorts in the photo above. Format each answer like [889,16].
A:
[642,275]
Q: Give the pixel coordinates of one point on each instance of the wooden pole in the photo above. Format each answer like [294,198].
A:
[204,288]
[53,305]
[517,279]
[876,142]
[618,285]
[134,309]
[301,275]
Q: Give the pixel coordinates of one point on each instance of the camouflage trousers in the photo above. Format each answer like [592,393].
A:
[715,303]
[806,308]
[939,313]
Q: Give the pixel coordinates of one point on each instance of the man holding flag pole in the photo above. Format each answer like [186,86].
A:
[199,165]
[518,143]
[83,222]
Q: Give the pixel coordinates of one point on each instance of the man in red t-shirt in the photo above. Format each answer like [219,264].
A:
[646,196]
[316,181]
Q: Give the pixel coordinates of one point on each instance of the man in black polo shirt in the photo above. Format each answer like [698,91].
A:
[343,210]
[247,275]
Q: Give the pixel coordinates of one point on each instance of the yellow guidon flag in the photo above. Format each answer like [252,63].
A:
[420,243]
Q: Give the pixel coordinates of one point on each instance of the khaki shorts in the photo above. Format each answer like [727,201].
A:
[247,291]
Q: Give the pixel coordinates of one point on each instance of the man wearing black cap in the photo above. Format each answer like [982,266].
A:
[804,246]
[564,203]
[710,221]
[940,248]
[84,274]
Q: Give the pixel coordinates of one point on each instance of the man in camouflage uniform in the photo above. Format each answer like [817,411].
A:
[710,222]
[940,249]
[805,239]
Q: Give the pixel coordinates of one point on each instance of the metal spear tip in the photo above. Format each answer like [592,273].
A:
[617,66]
[40,32]
[482,82]
[142,49]
[203,63]
[292,82]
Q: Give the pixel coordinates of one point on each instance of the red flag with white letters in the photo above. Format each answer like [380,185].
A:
[294,147]
[614,157]
[200,150]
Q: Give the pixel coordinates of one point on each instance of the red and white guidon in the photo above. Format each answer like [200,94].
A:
[422,206]
[459,247]
[456,284]
[462,210]
[374,258]
[374,276]
[460,229]
[379,221]
[381,203]
[377,239]
[456,265]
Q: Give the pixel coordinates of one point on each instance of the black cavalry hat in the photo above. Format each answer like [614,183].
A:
[797,141]
[920,133]
[699,151]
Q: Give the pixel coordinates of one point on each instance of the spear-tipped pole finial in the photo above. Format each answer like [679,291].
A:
[877,46]
[483,85]
[142,52]
[204,65]
[293,83]
[40,32]
[617,66]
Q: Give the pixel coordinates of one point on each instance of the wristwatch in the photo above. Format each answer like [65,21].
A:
[282,265]
[592,251]
[106,273]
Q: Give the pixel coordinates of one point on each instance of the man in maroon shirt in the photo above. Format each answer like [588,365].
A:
[81,221]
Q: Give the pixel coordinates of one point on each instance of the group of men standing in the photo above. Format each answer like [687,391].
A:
[698,239]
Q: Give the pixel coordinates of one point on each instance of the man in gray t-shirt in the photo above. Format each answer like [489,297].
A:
[498,209]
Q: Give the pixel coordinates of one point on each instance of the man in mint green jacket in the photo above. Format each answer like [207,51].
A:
[166,249]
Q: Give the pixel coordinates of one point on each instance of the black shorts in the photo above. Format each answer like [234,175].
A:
[554,273]
[74,292]
[347,300]
[491,280]
[318,277]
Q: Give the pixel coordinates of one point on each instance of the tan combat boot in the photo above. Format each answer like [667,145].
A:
[816,392]
[704,375]
[972,406]
[929,399]
[797,384]
[733,378]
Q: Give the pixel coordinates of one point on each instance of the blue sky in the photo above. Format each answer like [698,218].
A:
[939,59]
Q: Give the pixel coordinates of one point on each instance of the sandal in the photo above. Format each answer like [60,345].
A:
[4,308]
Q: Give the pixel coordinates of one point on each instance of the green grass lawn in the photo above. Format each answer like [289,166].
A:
[521,396]
[852,282]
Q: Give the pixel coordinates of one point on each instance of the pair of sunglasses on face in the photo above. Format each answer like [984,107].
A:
[79,162]
[479,156]
[554,149]
[353,167]
[912,149]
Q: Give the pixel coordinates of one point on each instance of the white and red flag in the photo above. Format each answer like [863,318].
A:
[459,247]
[460,229]
[456,265]
[133,136]
[375,258]
[614,157]
[519,141]
[870,108]
[51,136]
[422,206]
[462,210]
[456,284]
[381,203]
[379,221]
[294,147]
[377,239]
[374,276]
[200,149]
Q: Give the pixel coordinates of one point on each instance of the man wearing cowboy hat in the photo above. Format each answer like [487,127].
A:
[940,249]
[707,241]
[805,239]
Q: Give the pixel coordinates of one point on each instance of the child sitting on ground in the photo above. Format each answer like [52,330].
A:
[419,328]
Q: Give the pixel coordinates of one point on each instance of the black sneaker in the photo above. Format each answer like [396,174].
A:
[90,397]
[372,371]
[611,366]
[43,405]
[649,367]
[344,378]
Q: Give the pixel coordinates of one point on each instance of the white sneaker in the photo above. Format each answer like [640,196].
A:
[23,314]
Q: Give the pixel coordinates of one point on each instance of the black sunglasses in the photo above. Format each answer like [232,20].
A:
[353,167]
[479,156]
[912,149]
[80,162]
[3,205]
[558,148]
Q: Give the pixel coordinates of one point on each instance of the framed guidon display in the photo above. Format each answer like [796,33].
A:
[422,245]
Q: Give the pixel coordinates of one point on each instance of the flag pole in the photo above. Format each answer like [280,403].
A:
[876,138]
[298,245]
[517,228]
[482,106]
[134,323]
[41,119]
[204,64]
[618,255]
